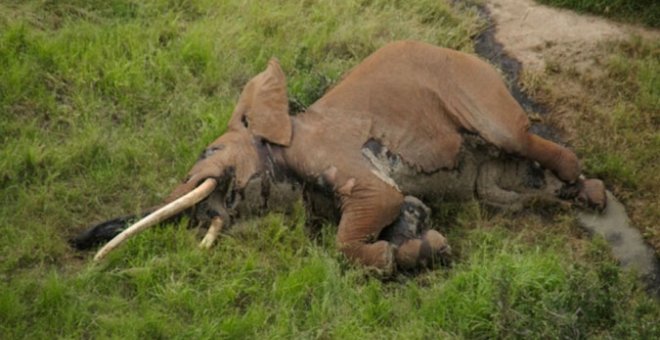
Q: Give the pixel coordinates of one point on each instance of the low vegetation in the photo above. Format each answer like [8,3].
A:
[105,104]
[610,106]
[646,12]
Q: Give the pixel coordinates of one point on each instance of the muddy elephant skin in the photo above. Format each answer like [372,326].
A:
[411,123]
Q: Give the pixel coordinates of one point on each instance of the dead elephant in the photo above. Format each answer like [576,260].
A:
[411,123]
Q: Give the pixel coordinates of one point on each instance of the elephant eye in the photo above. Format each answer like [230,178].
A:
[245,122]
[210,151]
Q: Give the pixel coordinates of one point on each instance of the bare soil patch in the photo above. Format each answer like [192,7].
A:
[532,33]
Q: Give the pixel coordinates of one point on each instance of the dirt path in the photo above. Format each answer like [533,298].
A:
[524,35]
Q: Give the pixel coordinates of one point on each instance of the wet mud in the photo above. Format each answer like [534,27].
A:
[626,242]
[490,49]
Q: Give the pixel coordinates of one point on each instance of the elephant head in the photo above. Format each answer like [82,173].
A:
[261,115]
[242,156]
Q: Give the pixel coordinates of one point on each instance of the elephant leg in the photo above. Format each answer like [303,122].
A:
[368,207]
[553,156]
[564,163]
[509,185]
[489,190]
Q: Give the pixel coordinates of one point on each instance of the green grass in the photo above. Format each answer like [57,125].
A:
[613,110]
[646,12]
[105,104]
[269,279]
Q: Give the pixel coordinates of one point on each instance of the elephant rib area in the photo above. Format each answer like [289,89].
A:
[419,98]
[425,147]
[418,130]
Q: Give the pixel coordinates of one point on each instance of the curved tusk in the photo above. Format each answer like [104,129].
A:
[165,212]
[212,233]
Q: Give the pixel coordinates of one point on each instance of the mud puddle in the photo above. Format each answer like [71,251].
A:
[627,243]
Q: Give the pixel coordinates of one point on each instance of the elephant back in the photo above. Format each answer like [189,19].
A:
[420,100]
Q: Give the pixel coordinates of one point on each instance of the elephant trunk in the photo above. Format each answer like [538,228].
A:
[182,203]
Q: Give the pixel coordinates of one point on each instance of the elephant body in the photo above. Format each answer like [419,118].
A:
[411,123]
[418,101]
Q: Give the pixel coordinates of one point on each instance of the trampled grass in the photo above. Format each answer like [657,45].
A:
[105,104]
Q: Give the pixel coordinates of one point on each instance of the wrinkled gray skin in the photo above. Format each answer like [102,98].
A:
[495,178]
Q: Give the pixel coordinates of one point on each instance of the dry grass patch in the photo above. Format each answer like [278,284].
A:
[606,98]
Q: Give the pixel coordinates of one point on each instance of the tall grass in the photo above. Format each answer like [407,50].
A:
[105,104]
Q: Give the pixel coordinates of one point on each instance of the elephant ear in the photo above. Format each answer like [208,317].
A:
[263,107]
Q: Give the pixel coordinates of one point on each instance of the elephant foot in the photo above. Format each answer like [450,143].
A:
[377,258]
[587,193]
[385,267]
[425,252]
[412,220]
[592,194]
[415,246]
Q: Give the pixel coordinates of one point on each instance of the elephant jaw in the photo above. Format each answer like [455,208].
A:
[163,213]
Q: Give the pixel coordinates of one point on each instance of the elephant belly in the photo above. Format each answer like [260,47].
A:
[444,184]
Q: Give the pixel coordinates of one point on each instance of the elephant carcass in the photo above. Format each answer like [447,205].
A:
[411,123]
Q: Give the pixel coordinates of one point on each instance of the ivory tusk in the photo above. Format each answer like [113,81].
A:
[212,233]
[165,212]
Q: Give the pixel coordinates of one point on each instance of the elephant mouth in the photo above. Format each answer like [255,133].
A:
[221,202]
